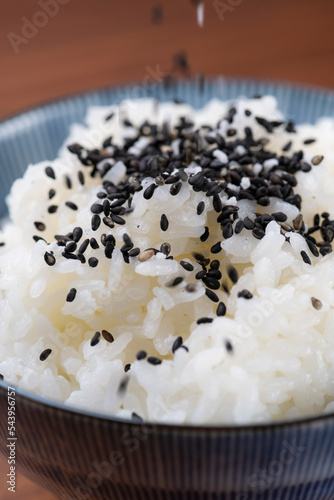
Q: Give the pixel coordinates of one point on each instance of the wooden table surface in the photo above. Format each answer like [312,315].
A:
[81,44]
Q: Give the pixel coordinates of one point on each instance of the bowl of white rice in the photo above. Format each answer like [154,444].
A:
[166,293]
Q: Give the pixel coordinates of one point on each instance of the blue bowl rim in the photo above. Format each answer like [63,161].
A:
[187,427]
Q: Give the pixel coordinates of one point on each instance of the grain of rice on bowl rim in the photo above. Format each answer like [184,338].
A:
[175,265]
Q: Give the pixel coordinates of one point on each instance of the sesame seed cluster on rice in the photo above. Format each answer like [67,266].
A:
[175,265]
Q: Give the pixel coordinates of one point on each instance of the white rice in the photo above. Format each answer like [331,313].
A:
[282,360]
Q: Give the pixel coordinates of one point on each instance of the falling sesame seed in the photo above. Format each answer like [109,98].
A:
[211,295]
[52,194]
[52,209]
[71,295]
[71,205]
[96,339]
[146,255]
[316,160]
[40,226]
[164,223]
[228,346]
[316,303]
[177,344]
[107,336]
[127,367]
[50,172]
[232,274]
[49,259]
[154,361]
[96,222]
[186,265]
[245,294]
[200,207]
[305,257]
[221,309]
[141,355]
[93,262]
[203,321]
[45,354]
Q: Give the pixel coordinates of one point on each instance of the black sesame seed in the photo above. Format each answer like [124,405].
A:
[71,295]
[141,355]
[45,354]
[232,274]
[258,233]
[71,247]
[50,172]
[52,209]
[71,205]
[108,222]
[77,234]
[40,226]
[107,336]
[205,235]
[49,259]
[96,339]
[203,321]
[134,252]
[93,261]
[221,309]
[287,146]
[127,367]
[216,248]
[96,208]
[52,194]
[106,207]
[1,376]
[83,246]
[68,182]
[123,386]
[239,226]
[101,195]
[245,294]
[200,207]
[248,223]
[116,219]
[176,281]
[211,295]
[96,222]
[312,247]
[148,193]
[186,265]
[200,275]
[154,361]
[309,141]
[305,257]
[280,216]
[228,346]
[211,283]
[164,223]
[81,178]
[136,418]
[109,248]
[175,188]
[228,231]
[248,112]
[94,244]
[177,344]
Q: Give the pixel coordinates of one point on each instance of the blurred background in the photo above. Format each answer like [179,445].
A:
[51,48]
[54,47]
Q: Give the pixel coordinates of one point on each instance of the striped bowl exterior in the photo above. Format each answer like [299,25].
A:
[81,455]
